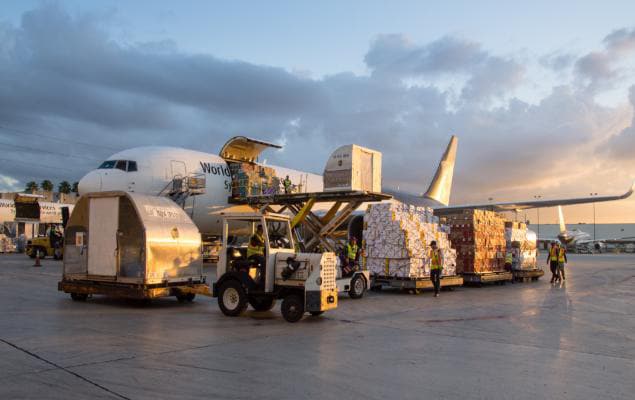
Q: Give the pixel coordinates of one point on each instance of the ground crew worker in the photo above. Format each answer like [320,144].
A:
[351,253]
[436,267]
[562,260]
[509,260]
[287,185]
[256,247]
[552,261]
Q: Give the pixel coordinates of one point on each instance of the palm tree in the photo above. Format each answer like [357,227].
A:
[47,185]
[31,187]
[64,187]
[75,188]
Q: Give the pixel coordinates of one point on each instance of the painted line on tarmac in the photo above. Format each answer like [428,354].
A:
[75,374]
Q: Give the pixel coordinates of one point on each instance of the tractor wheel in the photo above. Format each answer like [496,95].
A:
[358,287]
[262,303]
[292,308]
[232,299]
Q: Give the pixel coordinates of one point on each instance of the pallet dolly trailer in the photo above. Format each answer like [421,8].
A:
[414,285]
[322,228]
[527,275]
[480,278]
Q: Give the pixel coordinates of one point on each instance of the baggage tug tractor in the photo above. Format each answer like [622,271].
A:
[306,282]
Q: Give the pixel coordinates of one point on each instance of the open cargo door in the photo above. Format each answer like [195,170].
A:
[27,207]
[241,148]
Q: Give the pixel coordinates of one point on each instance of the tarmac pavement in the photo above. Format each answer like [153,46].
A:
[522,341]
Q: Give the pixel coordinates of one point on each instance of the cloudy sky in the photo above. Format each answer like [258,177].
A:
[540,95]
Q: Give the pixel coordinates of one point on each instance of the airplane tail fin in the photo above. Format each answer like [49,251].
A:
[441,185]
[563,226]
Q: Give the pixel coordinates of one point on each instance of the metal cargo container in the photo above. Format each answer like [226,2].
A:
[131,245]
[353,167]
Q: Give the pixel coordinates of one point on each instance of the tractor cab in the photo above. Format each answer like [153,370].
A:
[258,264]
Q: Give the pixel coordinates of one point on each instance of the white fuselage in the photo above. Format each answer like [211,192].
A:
[7,210]
[156,167]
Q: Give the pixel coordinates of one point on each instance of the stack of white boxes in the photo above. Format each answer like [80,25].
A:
[397,241]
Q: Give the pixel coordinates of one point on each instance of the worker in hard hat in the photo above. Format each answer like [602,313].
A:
[552,261]
[256,247]
[436,266]
[350,256]
[509,260]
[562,260]
[287,185]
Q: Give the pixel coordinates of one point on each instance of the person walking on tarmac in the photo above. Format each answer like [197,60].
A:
[562,260]
[436,267]
[256,247]
[552,261]
[351,253]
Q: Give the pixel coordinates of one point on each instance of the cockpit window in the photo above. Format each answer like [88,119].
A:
[123,165]
[108,164]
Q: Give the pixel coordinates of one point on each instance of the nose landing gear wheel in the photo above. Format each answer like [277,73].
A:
[232,299]
[292,308]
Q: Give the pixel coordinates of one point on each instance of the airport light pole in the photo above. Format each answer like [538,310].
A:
[538,197]
[593,194]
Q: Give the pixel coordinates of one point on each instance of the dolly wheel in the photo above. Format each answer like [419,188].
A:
[292,308]
[358,287]
[79,296]
[317,313]
[186,297]
[262,303]
[232,299]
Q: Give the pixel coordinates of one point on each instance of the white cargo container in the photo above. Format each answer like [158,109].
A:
[353,167]
[131,245]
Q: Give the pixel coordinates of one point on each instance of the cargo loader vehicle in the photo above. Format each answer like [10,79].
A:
[305,282]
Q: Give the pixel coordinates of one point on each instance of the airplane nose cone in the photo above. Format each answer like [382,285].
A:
[90,183]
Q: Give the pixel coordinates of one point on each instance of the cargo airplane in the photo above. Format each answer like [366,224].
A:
[150,170]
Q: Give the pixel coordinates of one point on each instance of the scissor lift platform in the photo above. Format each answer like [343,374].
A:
[301,205]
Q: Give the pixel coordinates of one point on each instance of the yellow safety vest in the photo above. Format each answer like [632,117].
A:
[561,255]
[256,250]
[435,262]
[554,254]
[509,258]
[351,251]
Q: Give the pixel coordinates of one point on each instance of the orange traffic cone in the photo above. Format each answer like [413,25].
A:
[37,259]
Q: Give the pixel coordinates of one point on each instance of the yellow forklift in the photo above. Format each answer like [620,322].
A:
[49,244]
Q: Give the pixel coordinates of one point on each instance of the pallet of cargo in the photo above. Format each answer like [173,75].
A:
[416,285]
[527,275]
[479,278]
[183,291]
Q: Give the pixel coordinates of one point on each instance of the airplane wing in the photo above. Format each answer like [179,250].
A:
[524,205]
